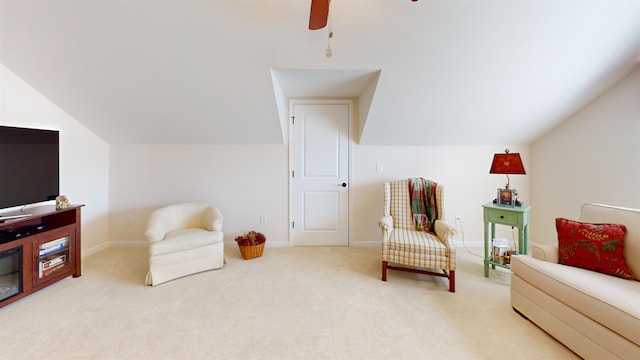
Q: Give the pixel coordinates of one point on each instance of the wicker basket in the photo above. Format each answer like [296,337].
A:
[251,251]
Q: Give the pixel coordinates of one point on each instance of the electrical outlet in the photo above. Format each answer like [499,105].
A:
[263,219]
[128,219]
[458,218]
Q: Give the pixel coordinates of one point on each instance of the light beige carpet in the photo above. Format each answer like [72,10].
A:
[292,303]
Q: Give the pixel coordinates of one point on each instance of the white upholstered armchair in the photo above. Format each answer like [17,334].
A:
[184,239]
[406,249]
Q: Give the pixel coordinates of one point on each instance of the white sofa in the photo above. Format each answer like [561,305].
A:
[184,239]
[595,315]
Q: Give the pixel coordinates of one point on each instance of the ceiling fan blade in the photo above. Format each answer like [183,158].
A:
[319,14]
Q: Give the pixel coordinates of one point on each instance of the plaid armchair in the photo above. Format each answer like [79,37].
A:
[404,248]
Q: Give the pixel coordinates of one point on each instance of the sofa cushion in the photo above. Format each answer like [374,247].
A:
[184,239]
[608,300]
[598,247]
[419,249]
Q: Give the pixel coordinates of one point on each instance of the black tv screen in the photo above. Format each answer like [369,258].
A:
[29,166]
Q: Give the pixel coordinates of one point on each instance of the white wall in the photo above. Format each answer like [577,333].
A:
[244,182]
[594,156]
[248,181]
[84,157]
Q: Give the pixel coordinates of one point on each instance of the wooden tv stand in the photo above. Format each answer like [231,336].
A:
[49,241]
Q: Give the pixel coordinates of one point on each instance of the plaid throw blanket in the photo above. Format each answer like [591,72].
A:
[422,196]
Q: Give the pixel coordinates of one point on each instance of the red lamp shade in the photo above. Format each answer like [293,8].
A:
[507,164]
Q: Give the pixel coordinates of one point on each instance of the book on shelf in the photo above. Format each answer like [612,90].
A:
[53,246]
[499,248]
[62,240]
[52,249]
[50,270]
[51,265]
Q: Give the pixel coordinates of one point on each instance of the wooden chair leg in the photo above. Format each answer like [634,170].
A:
[452,281]
[384,271]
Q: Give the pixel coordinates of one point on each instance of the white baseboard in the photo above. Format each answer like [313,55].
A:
[472,244]
[365,244]
[268,243]
[128,243]
[109,244]
[276,244]
[94,250]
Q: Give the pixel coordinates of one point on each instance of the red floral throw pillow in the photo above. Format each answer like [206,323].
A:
[598,247]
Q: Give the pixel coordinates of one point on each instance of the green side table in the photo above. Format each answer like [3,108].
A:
[515,216]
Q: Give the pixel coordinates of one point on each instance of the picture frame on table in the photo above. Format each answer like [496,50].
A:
[506,197]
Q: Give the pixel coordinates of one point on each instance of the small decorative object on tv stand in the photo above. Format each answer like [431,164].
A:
[49,247]
[62,202]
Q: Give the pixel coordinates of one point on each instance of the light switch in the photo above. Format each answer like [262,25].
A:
[379,167]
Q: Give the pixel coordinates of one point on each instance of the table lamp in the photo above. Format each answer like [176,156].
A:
[508,164]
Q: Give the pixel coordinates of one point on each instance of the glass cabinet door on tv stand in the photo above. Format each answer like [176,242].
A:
[10,272]
[52,255]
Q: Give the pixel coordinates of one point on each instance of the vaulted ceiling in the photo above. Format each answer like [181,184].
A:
[220,72]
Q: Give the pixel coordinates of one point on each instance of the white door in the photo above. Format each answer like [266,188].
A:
[320,174]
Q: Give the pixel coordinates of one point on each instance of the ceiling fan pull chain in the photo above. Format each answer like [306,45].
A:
[329,52]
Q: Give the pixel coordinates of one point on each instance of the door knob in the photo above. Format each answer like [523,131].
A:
[343,185]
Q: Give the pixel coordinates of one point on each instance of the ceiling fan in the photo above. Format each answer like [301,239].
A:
[320,13]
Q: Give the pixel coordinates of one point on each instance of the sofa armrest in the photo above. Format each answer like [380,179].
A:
[212,219]
[156,228]
[547,253]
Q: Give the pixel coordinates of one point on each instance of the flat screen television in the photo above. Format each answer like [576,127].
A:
[29,166]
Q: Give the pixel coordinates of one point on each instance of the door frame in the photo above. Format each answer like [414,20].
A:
[336,101]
